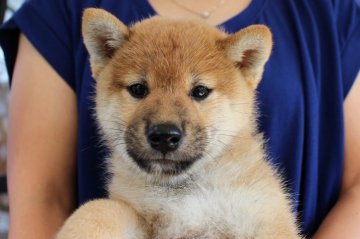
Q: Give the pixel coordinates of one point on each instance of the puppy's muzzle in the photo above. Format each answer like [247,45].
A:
[164,137]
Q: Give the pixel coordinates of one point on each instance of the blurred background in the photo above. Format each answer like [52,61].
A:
[7,8]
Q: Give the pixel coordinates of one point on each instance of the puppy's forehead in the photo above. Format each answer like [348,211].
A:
[167,52]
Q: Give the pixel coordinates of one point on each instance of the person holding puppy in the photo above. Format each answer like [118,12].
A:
[307,102]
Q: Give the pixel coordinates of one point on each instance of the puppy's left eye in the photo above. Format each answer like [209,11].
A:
[200,92]
[138,91]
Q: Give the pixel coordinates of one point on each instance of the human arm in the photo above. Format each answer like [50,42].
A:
[41,147]
[344,219]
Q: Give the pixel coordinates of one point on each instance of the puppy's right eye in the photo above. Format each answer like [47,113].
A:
[138,90]
[200,92]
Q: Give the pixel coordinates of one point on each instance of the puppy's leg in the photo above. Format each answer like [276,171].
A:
[102,219]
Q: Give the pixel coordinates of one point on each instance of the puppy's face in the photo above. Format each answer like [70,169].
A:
[172,94]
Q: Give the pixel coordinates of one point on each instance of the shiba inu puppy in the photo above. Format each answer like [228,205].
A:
[176,105]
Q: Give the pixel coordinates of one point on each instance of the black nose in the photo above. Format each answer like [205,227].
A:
[164,137]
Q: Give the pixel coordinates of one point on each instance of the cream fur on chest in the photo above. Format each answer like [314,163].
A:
[230,199]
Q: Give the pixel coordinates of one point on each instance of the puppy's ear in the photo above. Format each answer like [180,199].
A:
[103,34]
[249,49]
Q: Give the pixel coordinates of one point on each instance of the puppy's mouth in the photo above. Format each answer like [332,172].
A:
[164,166]
[165,149]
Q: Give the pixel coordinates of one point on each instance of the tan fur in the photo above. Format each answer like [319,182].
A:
[230,191]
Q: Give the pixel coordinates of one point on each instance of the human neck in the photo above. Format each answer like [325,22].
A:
[189,9]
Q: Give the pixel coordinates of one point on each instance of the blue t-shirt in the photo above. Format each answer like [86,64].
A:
[315,59]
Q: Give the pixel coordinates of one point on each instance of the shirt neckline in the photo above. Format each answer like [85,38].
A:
[241,20]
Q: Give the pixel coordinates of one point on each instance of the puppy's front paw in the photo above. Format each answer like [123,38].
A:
[102,219]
